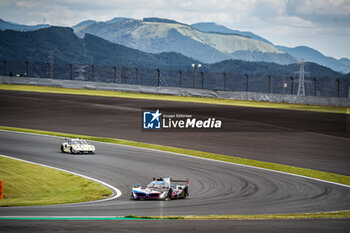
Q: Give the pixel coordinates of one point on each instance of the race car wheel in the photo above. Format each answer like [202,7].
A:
[186,192]
[170,193]
[62,149]
[72,151]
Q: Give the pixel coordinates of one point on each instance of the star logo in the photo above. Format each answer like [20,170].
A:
[156,115]
[152,119]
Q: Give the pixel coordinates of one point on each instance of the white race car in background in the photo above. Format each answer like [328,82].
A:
[76,146]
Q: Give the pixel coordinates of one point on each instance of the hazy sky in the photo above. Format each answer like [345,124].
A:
[321,24]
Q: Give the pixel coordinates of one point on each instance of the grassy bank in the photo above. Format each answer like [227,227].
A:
[29,184]
[204,100]
[327,215]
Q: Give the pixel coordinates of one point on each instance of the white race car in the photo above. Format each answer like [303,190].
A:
[76,146]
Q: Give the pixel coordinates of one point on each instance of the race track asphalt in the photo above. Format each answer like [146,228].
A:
[215,187]
[171,226]
[312,140]
[306,139]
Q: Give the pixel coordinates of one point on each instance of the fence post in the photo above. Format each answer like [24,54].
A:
[194,76]
[123,75]
[27,70]
[338,91]
[292,86]
[247,88]
[4,67]
[202,74]
[1,189]
[180,78]
[70,71]
[315,88]
[158,71]
[269,78]
[92,73]
[137,75]
[48,70]
[114,74]
[224,81]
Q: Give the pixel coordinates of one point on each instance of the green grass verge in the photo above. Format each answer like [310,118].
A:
[204,100]
[329,215]
[326,215]
[29,184]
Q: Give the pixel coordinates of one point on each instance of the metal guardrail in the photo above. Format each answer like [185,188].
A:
[198,92]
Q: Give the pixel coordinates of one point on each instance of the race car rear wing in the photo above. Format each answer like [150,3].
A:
[63,139]
[172,180]
[180,181]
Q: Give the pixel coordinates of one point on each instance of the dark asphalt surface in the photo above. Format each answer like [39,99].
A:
[200,226]
[313,140]
[305,139]
[215,188]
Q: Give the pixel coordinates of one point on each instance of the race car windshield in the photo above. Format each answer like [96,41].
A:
[79,142]
[83,142]
[158,185]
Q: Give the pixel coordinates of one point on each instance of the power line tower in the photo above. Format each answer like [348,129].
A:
[301,88]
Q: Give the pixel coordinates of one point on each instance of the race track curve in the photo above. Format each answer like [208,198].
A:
[215,187]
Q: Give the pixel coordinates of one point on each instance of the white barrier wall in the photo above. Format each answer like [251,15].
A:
[277,98]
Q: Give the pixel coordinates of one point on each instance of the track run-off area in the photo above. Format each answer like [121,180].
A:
[215,187]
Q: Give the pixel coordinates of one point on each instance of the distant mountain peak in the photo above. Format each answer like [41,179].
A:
[116,20]
[4,25]
[160,20]
[84,24]
[312,55]
[214,27]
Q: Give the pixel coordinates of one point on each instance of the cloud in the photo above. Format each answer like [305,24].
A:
[321,12]
[27,4]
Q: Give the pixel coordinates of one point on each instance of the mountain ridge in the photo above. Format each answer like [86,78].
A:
[156,35]
[214,27]
[4,25]
[312,55]
[175,41]
[65,47]
[194,47]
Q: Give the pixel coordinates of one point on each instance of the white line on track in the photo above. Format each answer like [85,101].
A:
[116,192]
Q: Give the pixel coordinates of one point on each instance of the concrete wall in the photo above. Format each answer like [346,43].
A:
[277,98]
